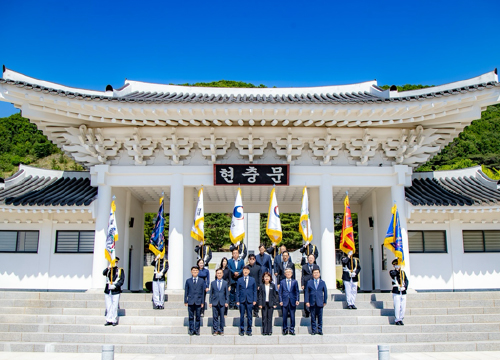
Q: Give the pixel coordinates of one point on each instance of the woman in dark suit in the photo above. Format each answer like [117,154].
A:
[268,301]
[226,276]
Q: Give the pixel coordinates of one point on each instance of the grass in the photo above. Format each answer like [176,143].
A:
[53,162]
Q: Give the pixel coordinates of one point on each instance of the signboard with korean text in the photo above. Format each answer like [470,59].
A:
[252,174]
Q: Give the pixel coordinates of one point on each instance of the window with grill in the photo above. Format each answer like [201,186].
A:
[75,241]
[481,240]
[430,241]
[19,241]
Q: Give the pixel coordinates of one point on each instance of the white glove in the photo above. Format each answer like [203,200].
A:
[350,253]
[403,288]
[111,287]
[157,275]
[399,288]
[353,274]
[237,244]
[307,243]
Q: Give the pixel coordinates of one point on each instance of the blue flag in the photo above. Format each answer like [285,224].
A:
[393,240]
[157,240]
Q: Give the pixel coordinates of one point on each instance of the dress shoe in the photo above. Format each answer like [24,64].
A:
[190,333]
[401,323]
[349,307]
[221,333]
[197,333]
[313,333]
[249,334]
[115,323]
[242,333]
[215,333]
[354,307]
[108,323]
[397,323]
[284,332]
[292,333]
[320,332]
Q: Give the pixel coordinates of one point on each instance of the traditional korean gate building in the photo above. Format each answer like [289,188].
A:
[144,138]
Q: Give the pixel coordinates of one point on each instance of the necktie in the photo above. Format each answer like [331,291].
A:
[288,284]
[246,282]
[218,285]
[311,268]
[194,280]
[316,284]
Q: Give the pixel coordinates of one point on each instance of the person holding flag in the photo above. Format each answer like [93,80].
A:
[273,230]
[351,267]
[115,277]
[198,232]
[306,231]
[157,246]
[237,231]
[394,242]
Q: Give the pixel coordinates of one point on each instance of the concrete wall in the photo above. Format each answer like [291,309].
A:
[455,269]
[46,269]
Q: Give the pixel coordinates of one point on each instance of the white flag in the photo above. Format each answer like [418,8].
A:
[237,232]
[197,230]
[112,236]
[305,222]
[273,228]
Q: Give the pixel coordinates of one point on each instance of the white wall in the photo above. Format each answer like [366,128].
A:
[383,217]
[366,240]
[455,269]
[46,269]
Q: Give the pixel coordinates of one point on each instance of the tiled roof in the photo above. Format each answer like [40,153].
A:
[196,97]
[37,190]
[474,188]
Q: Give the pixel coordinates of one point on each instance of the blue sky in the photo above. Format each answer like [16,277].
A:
[294,43]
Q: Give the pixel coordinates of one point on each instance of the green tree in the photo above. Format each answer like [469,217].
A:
[217,227]
[292,239]
[226,84]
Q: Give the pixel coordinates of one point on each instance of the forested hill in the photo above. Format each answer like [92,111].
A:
[478,144]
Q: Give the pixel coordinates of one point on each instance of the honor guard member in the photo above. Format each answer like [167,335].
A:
[203,252]
[115,277]
[306,250]
[399,285]
[242,250]
[160,269]
[351,269]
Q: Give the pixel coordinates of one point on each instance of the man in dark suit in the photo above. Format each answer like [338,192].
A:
[194,295]
[235,266]
[264,260]
[218,299]
[315,298]
[246,298]
[242,250]
[307,274]
[256,274]
[281,266]
[289,299]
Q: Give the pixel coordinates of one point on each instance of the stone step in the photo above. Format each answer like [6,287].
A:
[234,339]
[183,321]
[182,312]
[233,330]
[178,296]
[347,348]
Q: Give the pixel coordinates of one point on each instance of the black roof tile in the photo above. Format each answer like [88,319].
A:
[194,97]
[49,191]
[454,191]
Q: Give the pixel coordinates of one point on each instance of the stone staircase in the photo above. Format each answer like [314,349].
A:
[73,322]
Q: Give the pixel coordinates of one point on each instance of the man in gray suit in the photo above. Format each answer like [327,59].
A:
[218,299]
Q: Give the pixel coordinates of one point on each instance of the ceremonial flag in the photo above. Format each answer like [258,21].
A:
[273,228]
[393,240]
[157,239]
[112,236]
[347,235]
[305,222]
[237,231]
[197,230]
